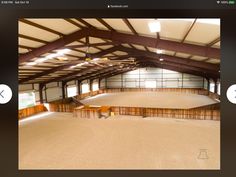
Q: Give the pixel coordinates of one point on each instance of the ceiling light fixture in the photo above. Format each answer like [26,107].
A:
[154,26]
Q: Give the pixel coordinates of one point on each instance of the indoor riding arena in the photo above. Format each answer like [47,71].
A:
[103,93]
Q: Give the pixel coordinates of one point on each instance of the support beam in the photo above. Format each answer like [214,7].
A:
[79,87]
[156,43]
[45,90]
[214,41]
[69,76]
[44,73]
[208,84]
[123,38]
[53,45]
[90,85]
[182,70]
[105,83]
[187,67]
[73,22]
[28,22]
[67,65]
[91,45]
[41,85]
[126,21]
[187,33]
[215,88]
[105,24]
[32,38]
[63,90]
[99,84]
[169,58]
[122,81]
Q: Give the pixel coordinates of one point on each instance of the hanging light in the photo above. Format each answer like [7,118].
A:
[154,26]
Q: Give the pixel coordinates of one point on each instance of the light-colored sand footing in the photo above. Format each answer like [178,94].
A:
[60,141]
[150,100]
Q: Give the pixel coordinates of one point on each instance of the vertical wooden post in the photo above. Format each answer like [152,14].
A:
[45,89]
[91,85]
[78,87]
[99,83]
[215,88]
[121,82]
[139,77]
[203,82]
[105,83]
[63,90]
[208,84]
[162,78]
[41,85]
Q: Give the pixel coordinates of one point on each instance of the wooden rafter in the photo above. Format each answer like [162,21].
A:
[170,58]
[105,24]
[53,45]
[187,67]
[28,22]
[67,65]
[32,38]
[188,31]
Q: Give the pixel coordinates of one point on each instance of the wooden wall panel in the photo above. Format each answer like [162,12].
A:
[211,112]
[26,112]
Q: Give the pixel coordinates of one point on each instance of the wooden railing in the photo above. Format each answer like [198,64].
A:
[201,113]
[209,112]
[22,113]
[198,91]
[64,105]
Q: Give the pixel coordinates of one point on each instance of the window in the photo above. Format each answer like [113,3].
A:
[212,87]
[85,88]
[95,87]
[218,89]
[26,100]
[71,91]
[150,84]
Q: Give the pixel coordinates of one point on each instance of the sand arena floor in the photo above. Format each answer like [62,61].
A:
[60,141]
[150,100]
